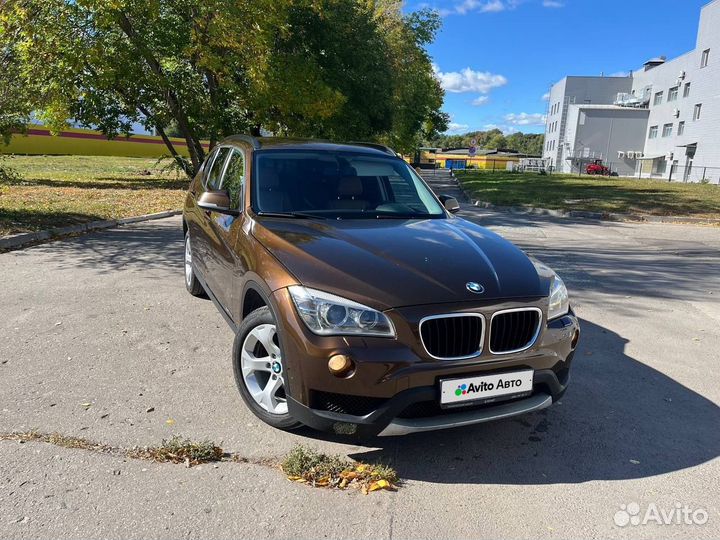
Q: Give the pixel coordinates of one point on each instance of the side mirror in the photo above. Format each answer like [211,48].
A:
[216,201]
[450,203]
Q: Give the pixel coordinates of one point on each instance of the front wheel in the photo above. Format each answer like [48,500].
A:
[260,371]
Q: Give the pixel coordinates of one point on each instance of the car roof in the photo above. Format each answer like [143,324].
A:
[286,143]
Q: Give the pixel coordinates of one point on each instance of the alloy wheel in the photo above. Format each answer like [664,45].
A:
[262,369]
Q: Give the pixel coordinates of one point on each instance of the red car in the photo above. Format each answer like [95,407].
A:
[597,168]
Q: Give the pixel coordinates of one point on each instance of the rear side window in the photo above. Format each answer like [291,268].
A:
[234,177]
[214,176]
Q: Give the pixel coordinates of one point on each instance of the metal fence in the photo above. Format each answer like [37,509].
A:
[673,173]
[695,173]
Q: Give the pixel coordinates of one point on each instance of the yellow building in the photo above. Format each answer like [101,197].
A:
[460,158]
[86,142]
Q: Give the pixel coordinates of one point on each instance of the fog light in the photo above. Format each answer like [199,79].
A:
[340,365]
[575,339]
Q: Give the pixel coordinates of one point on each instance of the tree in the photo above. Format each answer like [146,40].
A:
[209,68]
[525,143]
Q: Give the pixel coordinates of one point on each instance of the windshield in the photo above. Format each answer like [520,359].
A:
[339,185]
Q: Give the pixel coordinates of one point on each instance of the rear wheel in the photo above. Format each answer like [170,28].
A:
[259,369]
[191,282]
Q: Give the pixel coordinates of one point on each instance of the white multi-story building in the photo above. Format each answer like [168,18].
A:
[661,121]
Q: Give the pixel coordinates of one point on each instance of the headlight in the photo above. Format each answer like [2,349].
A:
[559,303]
[328,315]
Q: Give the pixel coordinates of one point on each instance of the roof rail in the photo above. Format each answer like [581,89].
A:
[377,146]
[252,141]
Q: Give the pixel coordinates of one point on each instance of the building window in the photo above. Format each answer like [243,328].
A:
[673,93]
[681,128]
[659,166]
[653,132]
[705,58]
[658,98]
[697,111]
[667,130]
[686,90]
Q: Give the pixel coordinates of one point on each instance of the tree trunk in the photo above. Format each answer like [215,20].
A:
[197,154]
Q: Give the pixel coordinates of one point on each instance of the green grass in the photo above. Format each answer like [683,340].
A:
[596,194]
[55,191]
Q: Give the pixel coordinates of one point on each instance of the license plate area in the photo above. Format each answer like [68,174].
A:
[480,389]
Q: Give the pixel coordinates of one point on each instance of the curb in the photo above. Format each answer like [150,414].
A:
[601,216]
[17,241]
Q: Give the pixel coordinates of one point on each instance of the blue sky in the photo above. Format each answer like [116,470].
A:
[497,58]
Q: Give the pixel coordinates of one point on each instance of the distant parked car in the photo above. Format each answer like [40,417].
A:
[597,167]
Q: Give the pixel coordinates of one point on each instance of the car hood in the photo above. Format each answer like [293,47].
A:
[391,263]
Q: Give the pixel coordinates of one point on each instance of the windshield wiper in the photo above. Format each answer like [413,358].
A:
[297,215]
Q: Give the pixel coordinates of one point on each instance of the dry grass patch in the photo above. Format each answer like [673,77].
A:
[180,450]
[45,192]
[174,450]
[305,465]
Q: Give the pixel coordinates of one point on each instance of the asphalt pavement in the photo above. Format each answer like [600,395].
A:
[99,339]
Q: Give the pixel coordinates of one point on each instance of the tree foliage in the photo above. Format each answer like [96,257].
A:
[526,143]
[204,69]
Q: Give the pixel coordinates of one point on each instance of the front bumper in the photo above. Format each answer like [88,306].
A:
[395,387]
[387,420]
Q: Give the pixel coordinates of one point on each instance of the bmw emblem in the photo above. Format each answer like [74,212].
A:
[474,287]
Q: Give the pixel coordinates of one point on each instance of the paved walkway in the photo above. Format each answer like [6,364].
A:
[104,320]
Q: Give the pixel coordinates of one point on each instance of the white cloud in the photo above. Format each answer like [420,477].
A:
[525,119]
[479,6]
[620,74]
[507,130]
[469,80]
[546,96]
[553,4]
[455,128]
[480,100]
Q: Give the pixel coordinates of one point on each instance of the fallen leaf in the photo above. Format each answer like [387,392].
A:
[87,405]
[169,421]
[380,484]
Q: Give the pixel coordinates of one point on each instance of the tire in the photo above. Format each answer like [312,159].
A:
[258,369]
[191,282]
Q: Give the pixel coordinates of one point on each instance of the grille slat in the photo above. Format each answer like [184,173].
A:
[455,336]
[514,330]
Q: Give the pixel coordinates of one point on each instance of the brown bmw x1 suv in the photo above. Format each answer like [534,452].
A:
[360,303]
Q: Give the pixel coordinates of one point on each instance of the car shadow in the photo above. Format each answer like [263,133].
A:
[154,248]
[620,419]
